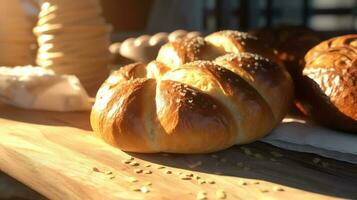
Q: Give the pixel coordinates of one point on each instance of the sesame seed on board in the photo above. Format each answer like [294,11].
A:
[221,194]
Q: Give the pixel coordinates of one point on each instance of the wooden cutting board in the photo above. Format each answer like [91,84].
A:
[56,155]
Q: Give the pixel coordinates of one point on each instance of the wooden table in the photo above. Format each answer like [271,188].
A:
[56,155]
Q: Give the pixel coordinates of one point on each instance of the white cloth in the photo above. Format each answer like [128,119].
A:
[298,135]
[41,89]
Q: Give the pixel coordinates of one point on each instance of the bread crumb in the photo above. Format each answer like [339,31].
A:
[184,177]
[258,156]
[108,172]
[220,194]
[243,183]
[278,188]
[194,165]
[201,182]
[201,196]
[246,151]
[211,181]
[144,189]
[132,179]
[126,161]
[276,154]
[214,156]
[147,171]
[134,163]
[264,190]
[316,160]
[239,164]
[95,169]
[136,189]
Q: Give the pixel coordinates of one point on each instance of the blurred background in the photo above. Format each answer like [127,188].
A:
[212,15]
[333,17]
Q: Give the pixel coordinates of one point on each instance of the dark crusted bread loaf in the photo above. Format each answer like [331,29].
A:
[330,83]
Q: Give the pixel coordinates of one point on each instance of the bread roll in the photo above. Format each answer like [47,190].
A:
[330,83]
[200,95]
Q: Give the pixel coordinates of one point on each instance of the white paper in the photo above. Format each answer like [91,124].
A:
[298,135]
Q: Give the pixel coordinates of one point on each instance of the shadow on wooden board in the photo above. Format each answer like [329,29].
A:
[11,189]
[262,161]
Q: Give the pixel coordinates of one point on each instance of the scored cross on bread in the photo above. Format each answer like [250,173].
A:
[200,95]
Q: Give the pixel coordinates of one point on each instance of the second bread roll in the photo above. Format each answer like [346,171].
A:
[330,83]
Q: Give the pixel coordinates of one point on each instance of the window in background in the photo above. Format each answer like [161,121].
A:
[331,16]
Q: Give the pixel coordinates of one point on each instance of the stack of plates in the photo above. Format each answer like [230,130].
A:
[74,38]
[16,37]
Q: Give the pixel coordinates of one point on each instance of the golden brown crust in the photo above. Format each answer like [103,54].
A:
[265,76]
[240,42]
[156,69]
[346,41]
[125,113]
[182,104]
[214,45]
[190,119]
[330,77]
[187,50]
[244,102]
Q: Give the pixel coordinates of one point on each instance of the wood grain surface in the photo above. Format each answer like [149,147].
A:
[56,155]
